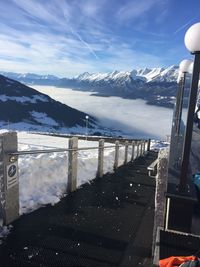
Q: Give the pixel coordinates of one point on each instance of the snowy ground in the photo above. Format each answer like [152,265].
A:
[43,177]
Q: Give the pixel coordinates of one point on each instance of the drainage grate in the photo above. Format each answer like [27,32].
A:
[172,244]
[44,257]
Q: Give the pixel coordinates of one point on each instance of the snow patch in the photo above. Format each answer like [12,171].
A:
[24,99]
[43,177]
[42,117]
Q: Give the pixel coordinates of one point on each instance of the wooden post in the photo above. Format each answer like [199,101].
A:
[133,151]
[100,158]
[72,164]
[141,148]
[144,145]
[149,144]
[137,149]
[116,155]
[9,178]
[126,153]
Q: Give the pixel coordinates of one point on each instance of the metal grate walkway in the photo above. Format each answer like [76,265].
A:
[107,223]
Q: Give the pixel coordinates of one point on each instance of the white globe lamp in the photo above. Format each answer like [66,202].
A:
[185,64]
[192,38]
[192,43]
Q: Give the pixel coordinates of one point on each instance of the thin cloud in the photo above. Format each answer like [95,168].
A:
[68,37]
[184,26]
[134,9]
[85,43]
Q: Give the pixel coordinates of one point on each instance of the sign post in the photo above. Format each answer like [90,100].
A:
[9,178]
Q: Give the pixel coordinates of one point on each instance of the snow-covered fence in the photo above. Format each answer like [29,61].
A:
[9,182]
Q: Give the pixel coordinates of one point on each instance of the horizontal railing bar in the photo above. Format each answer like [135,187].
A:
[30,152]
[82,137]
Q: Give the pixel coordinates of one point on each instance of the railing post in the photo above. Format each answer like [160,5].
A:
[144,144]
[149,144]
[9,178]
[72,164]
[141,148]
[116,155]
[133,151]
[137,149]
[126,153]
[100,158]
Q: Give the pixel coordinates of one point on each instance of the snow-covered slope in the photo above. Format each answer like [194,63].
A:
[24,107]
[111,76]
[169,74]
[160,74]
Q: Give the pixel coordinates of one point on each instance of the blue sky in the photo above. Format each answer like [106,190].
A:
[68,37]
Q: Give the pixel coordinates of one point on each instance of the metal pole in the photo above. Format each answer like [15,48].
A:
[86,132]
[189,125]
[180,104]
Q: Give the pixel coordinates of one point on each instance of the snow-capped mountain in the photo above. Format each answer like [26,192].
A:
[31,78]
[169,74]
[157,86]
[23,106]
[160,74]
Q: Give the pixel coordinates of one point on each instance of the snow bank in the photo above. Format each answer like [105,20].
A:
[43,177]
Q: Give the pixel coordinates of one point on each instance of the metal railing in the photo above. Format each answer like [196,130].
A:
[9,174]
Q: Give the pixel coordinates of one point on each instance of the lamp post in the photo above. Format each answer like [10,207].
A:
[184,68]
[192,43]
[176,142]
[86,126]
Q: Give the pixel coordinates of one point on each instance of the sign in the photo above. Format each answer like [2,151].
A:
[12,170]
[12,175]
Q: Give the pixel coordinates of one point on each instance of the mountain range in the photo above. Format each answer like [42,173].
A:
[157,86]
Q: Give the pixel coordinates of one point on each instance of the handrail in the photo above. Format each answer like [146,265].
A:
[92,137]
[30,152]
[9,173]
